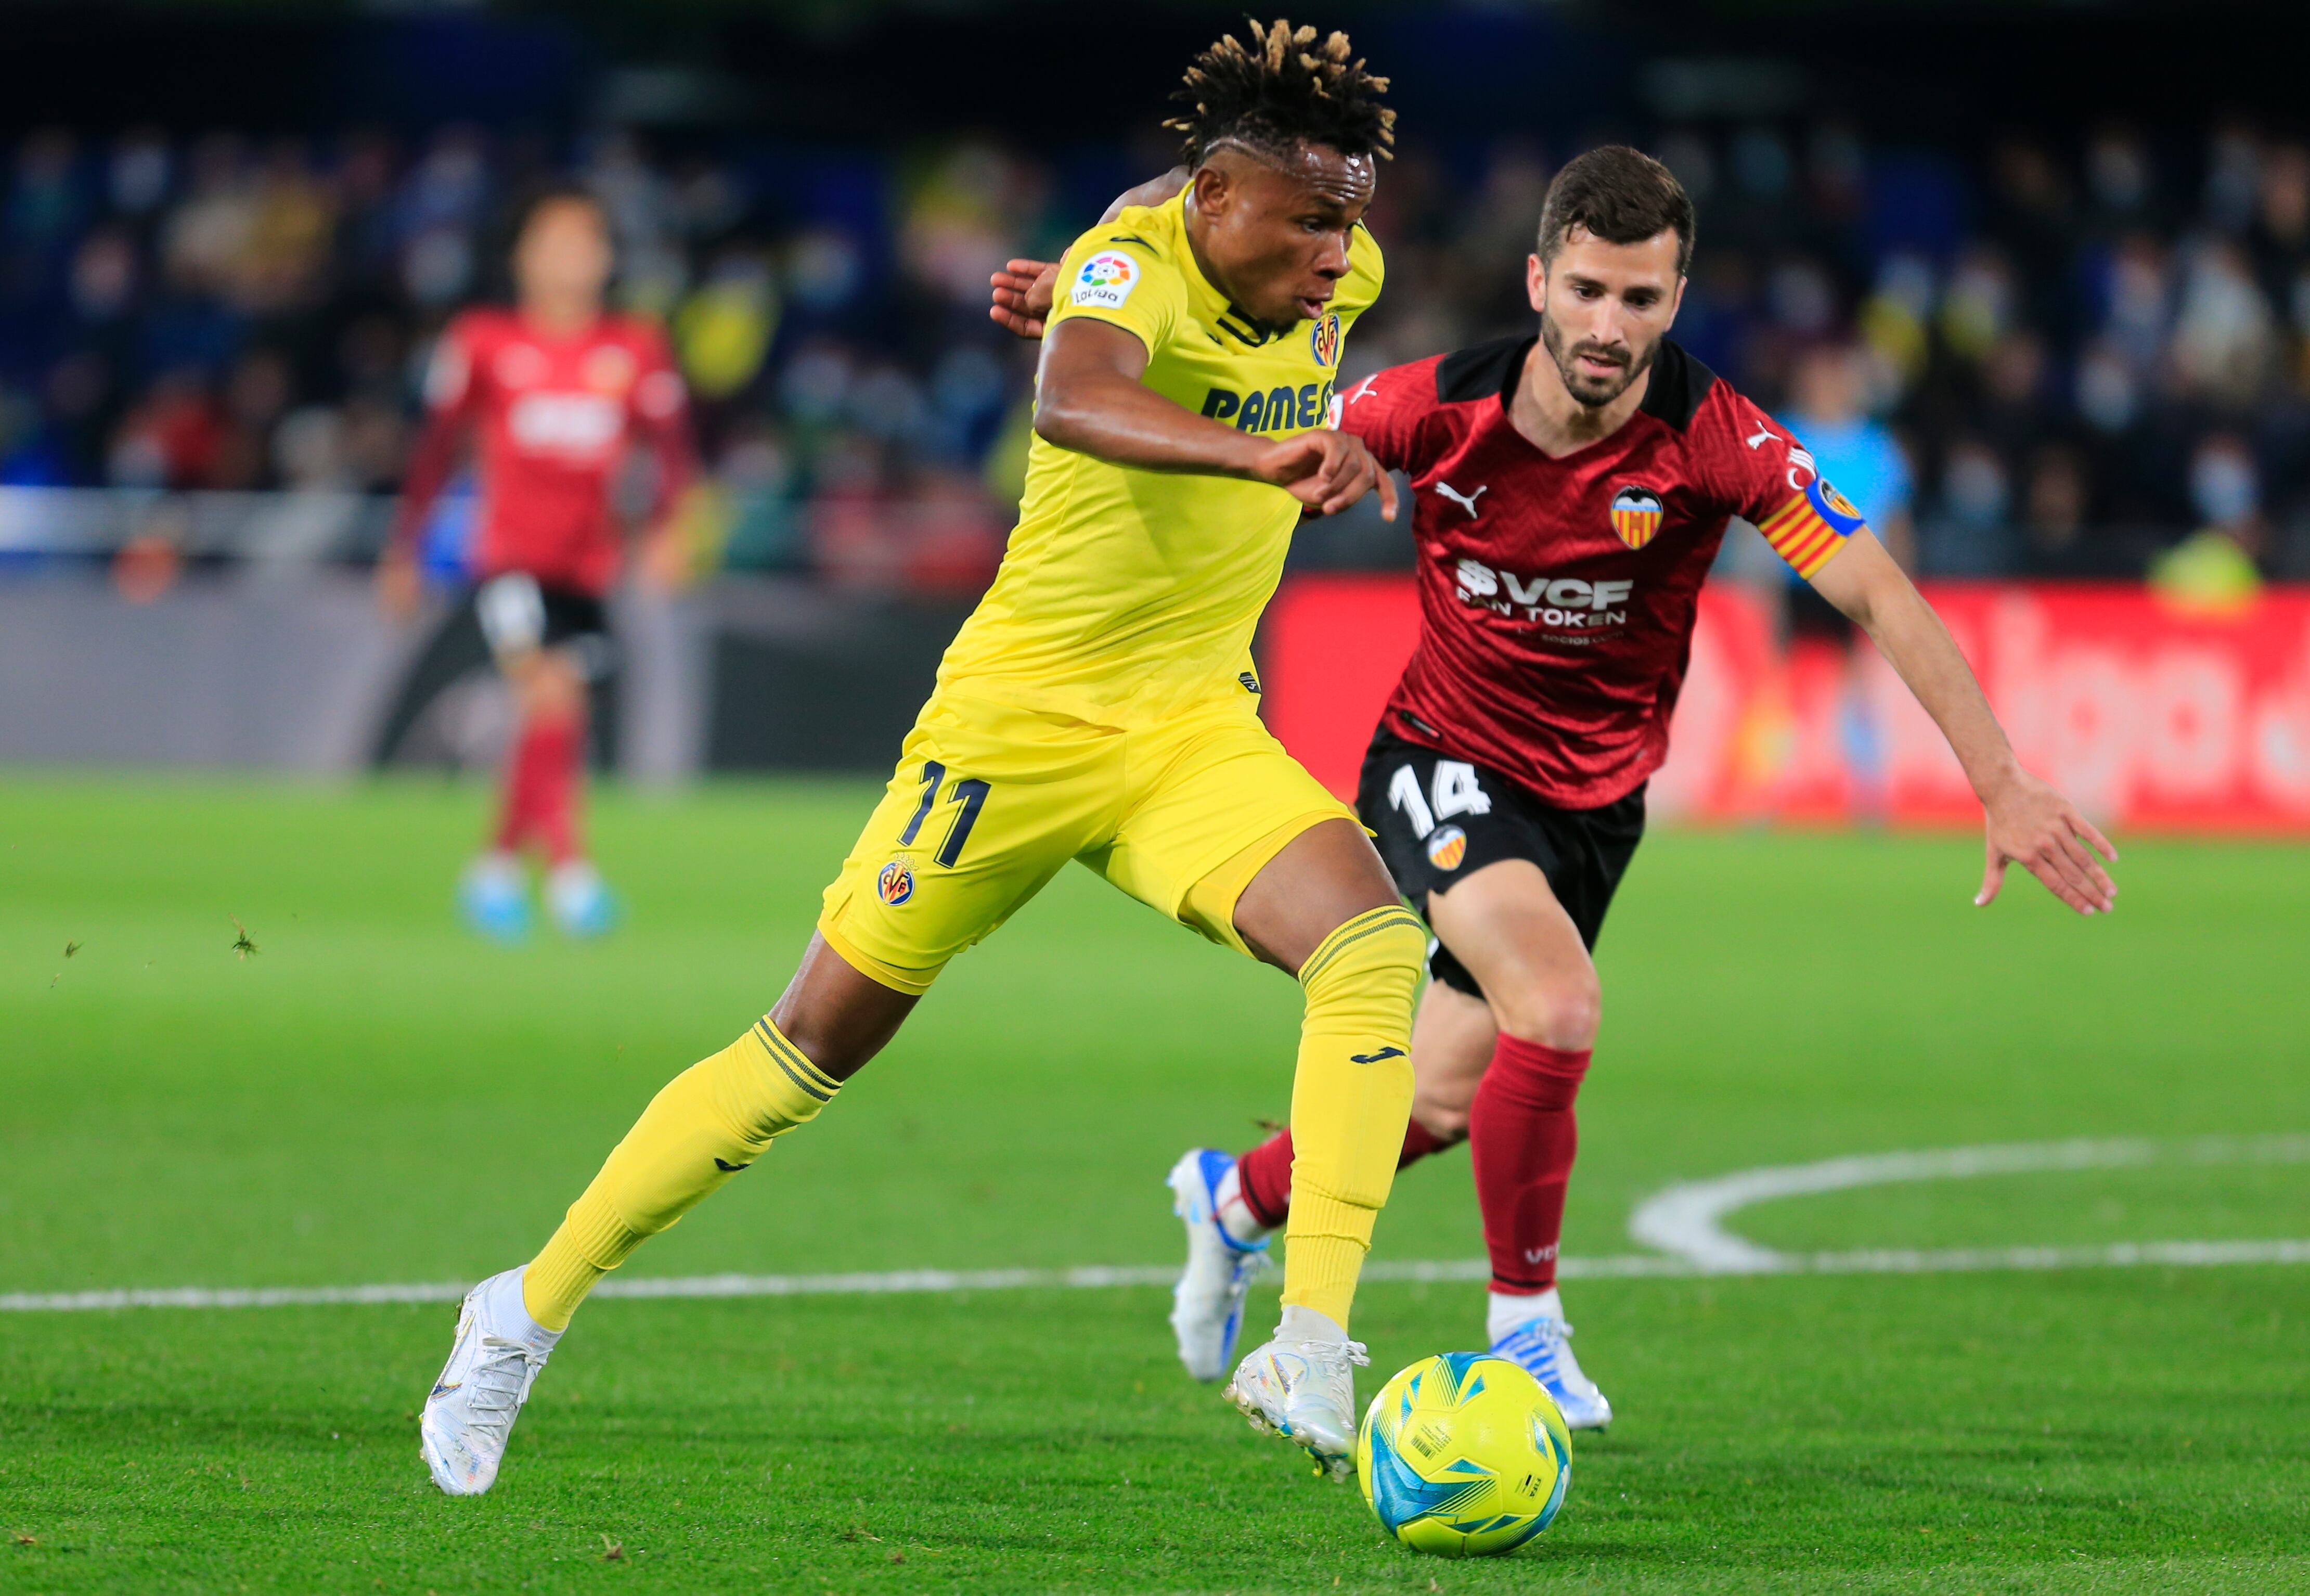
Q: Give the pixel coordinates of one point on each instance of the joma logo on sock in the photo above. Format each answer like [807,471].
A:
[1373,1058]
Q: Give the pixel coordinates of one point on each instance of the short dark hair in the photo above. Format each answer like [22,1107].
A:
[539,197]
[1278,90]
[1621,195]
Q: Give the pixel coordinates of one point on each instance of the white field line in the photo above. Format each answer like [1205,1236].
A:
[1685,1222]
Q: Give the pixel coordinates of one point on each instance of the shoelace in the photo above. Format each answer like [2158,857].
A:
[497,1383]
[1332,1358]
[1249,1265]
[1546,1337]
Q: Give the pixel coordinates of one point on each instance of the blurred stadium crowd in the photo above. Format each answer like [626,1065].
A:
[2040,360]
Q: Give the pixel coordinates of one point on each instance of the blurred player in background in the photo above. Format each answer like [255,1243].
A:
[552,394]
[1571,489]
[1099,705]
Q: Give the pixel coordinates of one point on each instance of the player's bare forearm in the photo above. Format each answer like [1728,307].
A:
[1089,399]
[1865,583]
[2026,820]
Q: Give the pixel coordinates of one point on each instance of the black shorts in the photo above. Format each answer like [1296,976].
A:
[1441,820]
[517,613]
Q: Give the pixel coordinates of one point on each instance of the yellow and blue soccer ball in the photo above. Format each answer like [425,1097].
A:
[1463,1455]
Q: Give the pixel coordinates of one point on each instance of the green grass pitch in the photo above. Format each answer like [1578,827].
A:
[374,1096]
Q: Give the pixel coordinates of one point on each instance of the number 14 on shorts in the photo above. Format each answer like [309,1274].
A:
[969,794]
[1454,790]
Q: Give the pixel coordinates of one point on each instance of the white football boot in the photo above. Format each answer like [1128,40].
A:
[470,1412]
[1542,1345]
[1305,1392]
[1207,1303]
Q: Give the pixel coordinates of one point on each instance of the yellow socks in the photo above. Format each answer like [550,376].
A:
[1350,1102]
[711,1120]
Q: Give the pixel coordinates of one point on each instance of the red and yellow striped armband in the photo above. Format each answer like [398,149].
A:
[1812,526]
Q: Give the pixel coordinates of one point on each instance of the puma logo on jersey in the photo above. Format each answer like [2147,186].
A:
[1566,602]
[1466,502]
[1759,438]
[1363,388]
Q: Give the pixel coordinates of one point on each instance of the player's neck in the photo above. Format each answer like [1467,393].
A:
[1550,418]
[558,317]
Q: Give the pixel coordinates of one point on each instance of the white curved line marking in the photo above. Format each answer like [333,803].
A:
[1687,1221]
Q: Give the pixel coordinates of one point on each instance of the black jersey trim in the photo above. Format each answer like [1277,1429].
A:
[1482,370]
[1488,371]
[1678,384]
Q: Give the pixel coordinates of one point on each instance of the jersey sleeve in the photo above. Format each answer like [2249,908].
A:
[1773,481]
[1387,410]
[1367,274]
[453,381]
[1119,274]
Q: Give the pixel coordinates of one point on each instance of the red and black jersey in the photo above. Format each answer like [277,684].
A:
[553,416]
[1557,596]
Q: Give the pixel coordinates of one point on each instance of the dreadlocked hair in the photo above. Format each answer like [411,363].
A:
[1279,88]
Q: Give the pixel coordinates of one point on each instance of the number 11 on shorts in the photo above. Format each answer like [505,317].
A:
[968,792]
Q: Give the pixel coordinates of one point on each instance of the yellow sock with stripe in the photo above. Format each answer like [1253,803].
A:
[1350,1102]
[709,1122]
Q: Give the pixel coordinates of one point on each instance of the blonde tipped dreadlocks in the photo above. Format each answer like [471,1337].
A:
[1279,89]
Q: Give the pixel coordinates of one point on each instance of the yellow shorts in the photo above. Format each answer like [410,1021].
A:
[989,800]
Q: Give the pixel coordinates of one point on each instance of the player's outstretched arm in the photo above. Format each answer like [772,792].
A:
[1088,398]
[2026,820]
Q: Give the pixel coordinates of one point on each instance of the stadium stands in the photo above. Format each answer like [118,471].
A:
[2086,353]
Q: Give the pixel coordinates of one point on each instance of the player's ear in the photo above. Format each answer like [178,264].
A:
[1535,281]
[1212,191]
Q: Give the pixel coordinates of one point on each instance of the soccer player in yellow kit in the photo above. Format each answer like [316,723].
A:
[1100,706]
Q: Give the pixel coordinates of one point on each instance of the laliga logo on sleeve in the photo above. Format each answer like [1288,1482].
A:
[1324,341]
[1636,513]
[896,884]
[1105,280]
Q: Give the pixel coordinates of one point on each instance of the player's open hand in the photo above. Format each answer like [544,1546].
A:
[1024,290]
[2030,824]
[1327,472]
[400,587]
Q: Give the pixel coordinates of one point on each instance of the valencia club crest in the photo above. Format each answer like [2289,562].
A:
[1636,513]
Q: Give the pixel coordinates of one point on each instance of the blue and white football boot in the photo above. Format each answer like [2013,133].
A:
[469,1414]
[1541,1346]
[493,895]
[581,903]
[1207,1303]
[1303,1391]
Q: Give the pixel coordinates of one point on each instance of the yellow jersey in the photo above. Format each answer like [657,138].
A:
[1126,593]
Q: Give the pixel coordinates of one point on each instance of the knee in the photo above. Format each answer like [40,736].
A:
[1445,1118]
[1560,1011]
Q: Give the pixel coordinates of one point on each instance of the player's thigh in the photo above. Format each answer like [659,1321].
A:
[1452,1040]
[1505,925]
[986,804]
[1218,803]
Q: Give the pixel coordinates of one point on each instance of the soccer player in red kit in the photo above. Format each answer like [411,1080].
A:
[553,393]
[1570,490]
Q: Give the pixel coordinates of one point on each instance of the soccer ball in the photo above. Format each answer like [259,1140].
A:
[1464,1455]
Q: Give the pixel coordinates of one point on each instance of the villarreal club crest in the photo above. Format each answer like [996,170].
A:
[896,883]
[1324,341]
[1463,1455]
[1636,513]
